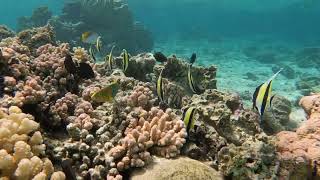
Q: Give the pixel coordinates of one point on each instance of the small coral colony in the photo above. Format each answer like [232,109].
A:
[67,113]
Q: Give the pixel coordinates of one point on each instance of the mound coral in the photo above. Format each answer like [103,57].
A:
[299,151]
[21,147]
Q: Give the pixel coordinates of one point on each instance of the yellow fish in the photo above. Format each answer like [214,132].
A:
[188,118]
[106,94]
[109,60]
[125,60]
[262,96]
[89,37]
[99,44]
[160,87]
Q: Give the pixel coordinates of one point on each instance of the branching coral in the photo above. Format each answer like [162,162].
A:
[161,132]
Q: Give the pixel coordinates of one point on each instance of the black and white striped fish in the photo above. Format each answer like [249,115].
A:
[262,97]
[99,44]
[109,60]
[125,60]
[92,54]
[188,118]
[159,86]
[190,80]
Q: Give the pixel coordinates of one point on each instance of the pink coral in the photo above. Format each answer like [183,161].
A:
[51,60]
[32,91]
[141,97]
[62,107]
[302,146]
[159,132]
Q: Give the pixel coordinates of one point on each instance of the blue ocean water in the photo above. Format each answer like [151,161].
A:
[10,10]
[220,32]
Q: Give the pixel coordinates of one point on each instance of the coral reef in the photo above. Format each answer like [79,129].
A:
[36,37]
[39,17]
[58,119]
[22,148]
[5,32]
[117,27]
[298,151]
[175,169]
[229,137]
[162,133]
[277,118]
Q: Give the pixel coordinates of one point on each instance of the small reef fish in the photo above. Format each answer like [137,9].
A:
[262,96]
[109,60]
[125,60]
[67,169]
[89,37]
[81,70]
[69,64]
[159,87]
[106,94]
[194,88]
[85,71]
[1,86]
[99,44]
[188,118]
[160,57]
[92,52]
[193,58]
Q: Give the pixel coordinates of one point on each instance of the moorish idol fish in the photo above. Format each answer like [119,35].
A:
[160,57]
[92,52]
[99,44]
[188,118]
[262,96]
[194,88]
[106,94]
[89,37]
[125,60]
[110,58]
[159,87]
[67,169]
[193,58]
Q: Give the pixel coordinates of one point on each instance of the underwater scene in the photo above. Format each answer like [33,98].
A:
[159,90]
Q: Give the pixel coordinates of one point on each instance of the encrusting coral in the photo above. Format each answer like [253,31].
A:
[299,151]
[22,148]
